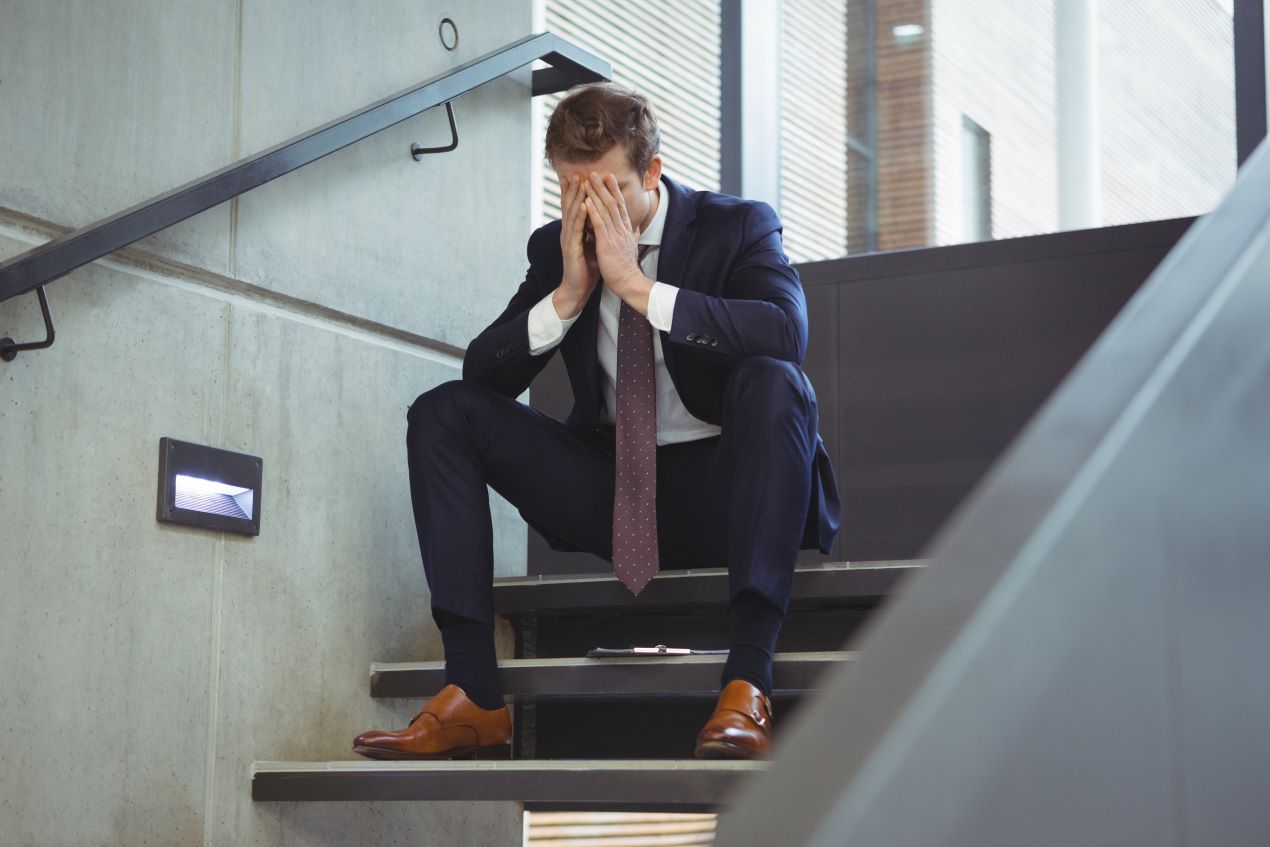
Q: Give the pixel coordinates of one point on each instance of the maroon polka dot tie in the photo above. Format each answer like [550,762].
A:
[635,485]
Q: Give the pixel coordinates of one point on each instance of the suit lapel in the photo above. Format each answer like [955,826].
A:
[676,241]
[676,235]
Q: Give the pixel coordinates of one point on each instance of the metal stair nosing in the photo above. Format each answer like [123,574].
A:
[694,784]
[698,589]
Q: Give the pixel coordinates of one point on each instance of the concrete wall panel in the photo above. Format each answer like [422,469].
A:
[150,665]
[334,581]
[368,230]
[124,634]
[108,104]
[105,614]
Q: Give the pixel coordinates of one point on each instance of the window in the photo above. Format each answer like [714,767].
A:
[813,107]
[976,183]
[1100,112]
[908,123]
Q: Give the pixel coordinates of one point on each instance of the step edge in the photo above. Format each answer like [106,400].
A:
[583,578]
[345,766]
[818,657]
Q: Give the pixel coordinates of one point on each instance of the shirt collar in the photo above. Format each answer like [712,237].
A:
[652,235]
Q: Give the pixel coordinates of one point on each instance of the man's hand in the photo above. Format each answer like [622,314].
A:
[581,268]
[616,241]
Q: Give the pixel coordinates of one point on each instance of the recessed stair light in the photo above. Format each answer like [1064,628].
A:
[208,487]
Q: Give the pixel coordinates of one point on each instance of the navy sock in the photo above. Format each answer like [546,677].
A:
[470,662]
[754,623]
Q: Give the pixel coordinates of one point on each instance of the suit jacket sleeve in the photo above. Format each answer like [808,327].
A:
[499,357]
[762,310]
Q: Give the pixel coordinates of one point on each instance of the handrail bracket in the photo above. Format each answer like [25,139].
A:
[416,151]
[9,349]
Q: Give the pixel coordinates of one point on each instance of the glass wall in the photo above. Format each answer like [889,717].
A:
[813,129]
[969,120]
[908,123]
[1097,112]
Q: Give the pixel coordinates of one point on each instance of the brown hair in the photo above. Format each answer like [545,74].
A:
[593,117]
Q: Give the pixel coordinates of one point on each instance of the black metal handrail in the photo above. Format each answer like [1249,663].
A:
[570,65]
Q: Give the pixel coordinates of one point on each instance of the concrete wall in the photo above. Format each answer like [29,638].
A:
[147,666]
[1168,136]
[993,60]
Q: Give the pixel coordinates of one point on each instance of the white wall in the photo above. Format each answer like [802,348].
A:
[146,666]
[993,60]
[1163,106]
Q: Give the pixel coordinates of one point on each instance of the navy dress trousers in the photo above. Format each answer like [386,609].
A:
[747,498]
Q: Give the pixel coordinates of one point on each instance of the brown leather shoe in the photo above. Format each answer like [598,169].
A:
[448,726]
[741,726]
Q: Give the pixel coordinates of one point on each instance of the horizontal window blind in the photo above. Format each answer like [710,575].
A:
[618,829]
[667,51]
[813,131]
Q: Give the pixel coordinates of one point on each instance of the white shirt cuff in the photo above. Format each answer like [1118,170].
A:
[546,329]
[661,305]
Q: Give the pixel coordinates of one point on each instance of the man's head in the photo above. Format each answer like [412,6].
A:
[605,128]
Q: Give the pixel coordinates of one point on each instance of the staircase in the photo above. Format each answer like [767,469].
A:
[566,752]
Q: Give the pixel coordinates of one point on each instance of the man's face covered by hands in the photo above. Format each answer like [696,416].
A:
[639,191]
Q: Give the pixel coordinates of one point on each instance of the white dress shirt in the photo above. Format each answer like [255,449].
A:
[674,422]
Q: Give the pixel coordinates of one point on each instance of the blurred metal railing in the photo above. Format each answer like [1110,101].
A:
[1083,660]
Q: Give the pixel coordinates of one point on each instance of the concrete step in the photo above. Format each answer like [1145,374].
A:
[643,677]
[581,784]
[697,589]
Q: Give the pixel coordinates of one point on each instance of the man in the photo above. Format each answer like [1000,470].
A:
[692,446]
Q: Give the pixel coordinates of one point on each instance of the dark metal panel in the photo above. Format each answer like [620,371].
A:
[1082,663]
[945,353]
[730,97]
[62,255]
[697,590]
[642,677]
[661,728]
[809,628]
[1250,76]
[941,355]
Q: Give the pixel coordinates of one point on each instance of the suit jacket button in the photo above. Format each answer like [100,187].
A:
[692,336]
[714,342]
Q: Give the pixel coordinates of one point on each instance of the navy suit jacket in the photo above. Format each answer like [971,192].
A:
[738,297]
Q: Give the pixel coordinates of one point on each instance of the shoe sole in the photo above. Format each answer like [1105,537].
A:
[724,750]
[492,752]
